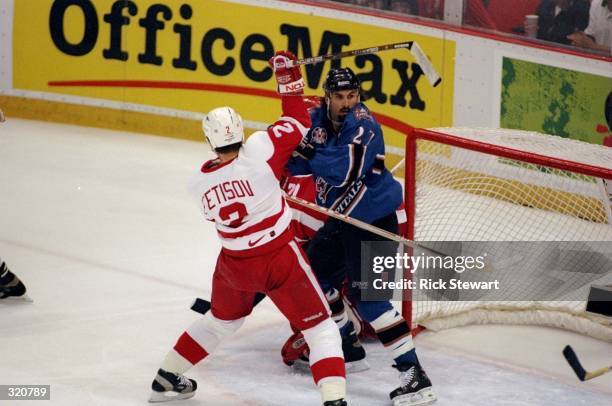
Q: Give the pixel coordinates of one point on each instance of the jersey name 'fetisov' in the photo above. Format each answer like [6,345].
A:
[243,196]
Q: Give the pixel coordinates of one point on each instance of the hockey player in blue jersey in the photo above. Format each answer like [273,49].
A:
[344,150]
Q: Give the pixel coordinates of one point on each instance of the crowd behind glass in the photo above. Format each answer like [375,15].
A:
[586,24]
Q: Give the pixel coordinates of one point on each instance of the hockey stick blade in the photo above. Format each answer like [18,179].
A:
[581,373]
[572,360]
[200,306]
[426,66]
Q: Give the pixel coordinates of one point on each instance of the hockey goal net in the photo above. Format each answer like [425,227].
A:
[484,185]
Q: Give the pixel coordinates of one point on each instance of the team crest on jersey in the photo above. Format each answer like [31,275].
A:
[319,136]
[361,112]
[322,188]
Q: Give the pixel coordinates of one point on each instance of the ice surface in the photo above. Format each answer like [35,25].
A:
[102,229]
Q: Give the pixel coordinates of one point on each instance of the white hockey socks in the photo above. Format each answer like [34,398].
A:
[199,340]
[175,362]
[326,359]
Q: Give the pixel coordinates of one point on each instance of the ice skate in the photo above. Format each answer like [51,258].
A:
[170,386]
[354,354]
[11,287]
[339,402]
[415,387]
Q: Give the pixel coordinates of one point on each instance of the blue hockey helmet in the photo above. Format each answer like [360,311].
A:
[341,79]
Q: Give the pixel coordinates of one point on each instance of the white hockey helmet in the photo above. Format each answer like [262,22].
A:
[223,126]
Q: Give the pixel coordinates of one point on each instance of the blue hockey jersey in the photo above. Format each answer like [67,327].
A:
[348,167]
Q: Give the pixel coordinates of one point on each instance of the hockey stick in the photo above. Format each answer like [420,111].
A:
[363,225]
[397,166]
[572,359]
[350,220]
[373,229]
[414,48]
[201,306]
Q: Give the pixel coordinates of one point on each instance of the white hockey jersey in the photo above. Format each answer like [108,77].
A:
[243,196]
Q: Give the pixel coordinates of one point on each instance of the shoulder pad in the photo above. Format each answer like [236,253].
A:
[256,137]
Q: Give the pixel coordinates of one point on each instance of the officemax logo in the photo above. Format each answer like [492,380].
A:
[217,51]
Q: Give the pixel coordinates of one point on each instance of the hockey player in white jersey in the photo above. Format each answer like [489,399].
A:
[239,191]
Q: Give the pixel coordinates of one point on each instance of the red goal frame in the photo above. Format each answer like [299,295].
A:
[415,134]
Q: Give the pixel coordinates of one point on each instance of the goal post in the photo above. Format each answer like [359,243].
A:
[499,186]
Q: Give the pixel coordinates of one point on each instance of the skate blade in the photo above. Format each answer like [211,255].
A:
[157,397]
[301,366]
[354,367]
[17,299]
[425,396]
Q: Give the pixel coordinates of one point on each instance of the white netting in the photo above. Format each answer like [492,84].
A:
[464,195]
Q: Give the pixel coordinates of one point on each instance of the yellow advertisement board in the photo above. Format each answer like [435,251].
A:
[196,55]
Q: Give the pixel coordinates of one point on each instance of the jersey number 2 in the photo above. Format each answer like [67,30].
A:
[233,213]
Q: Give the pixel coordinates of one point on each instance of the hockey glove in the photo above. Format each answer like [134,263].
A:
[289,79]
[304,150]
[295,348]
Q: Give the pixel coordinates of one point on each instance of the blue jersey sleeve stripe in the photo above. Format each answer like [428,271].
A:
[351,158]
[358,160]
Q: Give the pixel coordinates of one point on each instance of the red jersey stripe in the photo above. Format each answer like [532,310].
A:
[262,225]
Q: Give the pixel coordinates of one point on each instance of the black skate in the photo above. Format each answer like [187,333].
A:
[10,285]
[170,386]
[339,402]
[415,387]
[354,354]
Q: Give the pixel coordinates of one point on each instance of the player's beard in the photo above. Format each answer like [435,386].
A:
[341,116]
[339,120]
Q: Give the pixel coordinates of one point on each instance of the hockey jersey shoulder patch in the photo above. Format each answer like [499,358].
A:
[319,136]
[360,112]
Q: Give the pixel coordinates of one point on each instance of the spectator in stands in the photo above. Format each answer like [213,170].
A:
[475,13]
[560,18]
[431,9]
[404,6]
[598,34]
[363,3]
[509,15]
[381,4]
